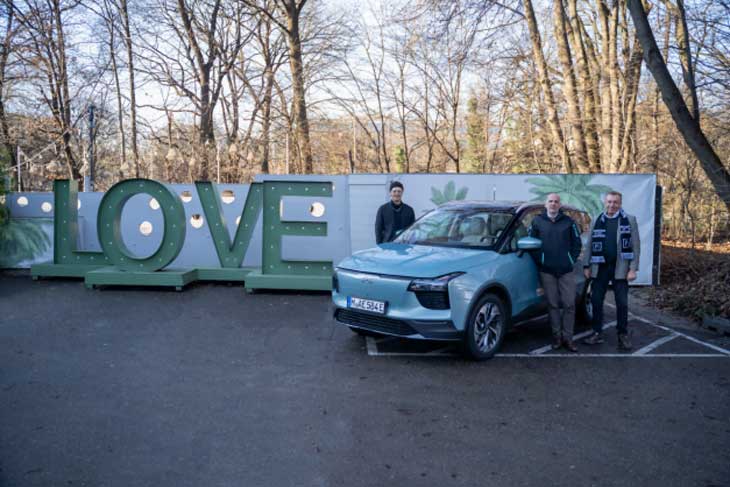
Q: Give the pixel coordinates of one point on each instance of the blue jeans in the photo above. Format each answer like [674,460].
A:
[606,273]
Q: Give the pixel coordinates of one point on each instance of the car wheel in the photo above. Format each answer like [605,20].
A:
[486,328]
[584,307]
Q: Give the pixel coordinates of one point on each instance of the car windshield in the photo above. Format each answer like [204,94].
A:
[477,228]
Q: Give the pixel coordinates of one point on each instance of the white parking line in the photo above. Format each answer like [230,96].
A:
[671,330]
[553,355]
[547,348]
[656,344]
[372,347]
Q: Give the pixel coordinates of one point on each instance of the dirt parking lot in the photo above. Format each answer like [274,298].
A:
[213,387]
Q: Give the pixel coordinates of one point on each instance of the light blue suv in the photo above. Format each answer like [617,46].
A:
[460,272]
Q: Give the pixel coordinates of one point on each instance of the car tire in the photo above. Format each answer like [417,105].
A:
[486,328]
[584,306]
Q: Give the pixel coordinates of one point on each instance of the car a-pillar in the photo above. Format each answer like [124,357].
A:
[130,269]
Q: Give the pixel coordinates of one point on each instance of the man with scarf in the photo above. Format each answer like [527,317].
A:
[560,250]
[613,256]
[393,215]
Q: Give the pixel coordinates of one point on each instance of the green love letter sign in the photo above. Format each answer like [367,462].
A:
[109,221]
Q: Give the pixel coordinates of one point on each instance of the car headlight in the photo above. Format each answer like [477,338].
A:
[437,284]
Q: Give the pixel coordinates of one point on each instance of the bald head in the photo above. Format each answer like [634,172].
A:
[552,204]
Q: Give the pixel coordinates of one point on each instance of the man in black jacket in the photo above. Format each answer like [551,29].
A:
[561,246]
[393,215]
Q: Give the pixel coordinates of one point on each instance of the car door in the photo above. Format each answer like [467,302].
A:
[528,300]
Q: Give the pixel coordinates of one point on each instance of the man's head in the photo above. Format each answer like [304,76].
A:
[552,204]
[613,202]
[396,192]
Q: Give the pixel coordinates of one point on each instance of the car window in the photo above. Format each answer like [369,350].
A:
[522,227]
[457,227]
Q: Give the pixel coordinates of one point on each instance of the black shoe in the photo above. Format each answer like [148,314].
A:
[570,346]
[624,342]
[594,339]
[557,343]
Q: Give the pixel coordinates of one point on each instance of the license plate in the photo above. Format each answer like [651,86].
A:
[366,304]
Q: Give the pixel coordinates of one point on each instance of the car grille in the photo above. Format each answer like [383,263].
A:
[433,299]
[375,323]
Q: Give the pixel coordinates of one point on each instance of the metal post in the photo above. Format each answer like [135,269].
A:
[20,174]
[91,150]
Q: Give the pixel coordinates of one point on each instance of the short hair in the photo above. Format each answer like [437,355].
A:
[396,184]
[616,193]
[556,194]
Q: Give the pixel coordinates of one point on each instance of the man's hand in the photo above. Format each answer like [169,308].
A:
[631,276]
[587,272]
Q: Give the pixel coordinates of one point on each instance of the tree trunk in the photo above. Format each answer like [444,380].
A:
[132,88]
[299,98]
[120,110]
[542,69]
[587,88]
[688,126]
[7,44]
[569,87]
[685,59]
[633,73]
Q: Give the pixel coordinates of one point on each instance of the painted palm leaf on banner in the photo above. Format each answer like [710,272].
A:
[22,239]
[448,194]
[574,190]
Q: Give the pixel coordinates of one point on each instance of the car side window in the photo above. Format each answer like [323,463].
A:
[522,227]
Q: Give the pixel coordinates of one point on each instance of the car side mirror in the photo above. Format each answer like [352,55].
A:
[528,243]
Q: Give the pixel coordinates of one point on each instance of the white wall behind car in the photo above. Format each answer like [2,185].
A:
[349,213]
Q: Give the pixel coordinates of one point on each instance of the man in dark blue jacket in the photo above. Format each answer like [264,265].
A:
[561,246]
[393,215]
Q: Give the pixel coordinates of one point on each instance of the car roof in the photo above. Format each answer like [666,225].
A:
[510,206]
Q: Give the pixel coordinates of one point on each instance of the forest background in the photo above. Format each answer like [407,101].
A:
[186,90]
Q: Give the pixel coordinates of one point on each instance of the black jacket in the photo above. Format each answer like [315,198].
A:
[388,221]
[561,244]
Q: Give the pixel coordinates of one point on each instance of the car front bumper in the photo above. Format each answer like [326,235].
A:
[412,329]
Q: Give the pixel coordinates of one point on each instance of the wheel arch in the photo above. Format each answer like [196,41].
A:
[497,289]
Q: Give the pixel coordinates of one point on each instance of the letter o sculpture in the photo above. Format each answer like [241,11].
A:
[109,218]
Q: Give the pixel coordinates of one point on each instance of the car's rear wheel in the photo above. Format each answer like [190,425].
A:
[584,307]
[486,328]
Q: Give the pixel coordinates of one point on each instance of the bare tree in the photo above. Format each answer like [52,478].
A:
[688,126]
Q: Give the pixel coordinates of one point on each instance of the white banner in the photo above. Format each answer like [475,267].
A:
[584,191]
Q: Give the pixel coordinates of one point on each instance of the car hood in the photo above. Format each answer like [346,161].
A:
[416,260]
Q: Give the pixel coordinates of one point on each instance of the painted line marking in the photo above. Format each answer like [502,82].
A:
[671,330]
[558,355]
[613,355]
[372,346]
[656,344]
[579,336]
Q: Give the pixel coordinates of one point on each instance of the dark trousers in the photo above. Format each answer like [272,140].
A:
[606,273]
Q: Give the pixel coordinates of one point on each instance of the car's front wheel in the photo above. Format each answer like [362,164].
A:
[486,328]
